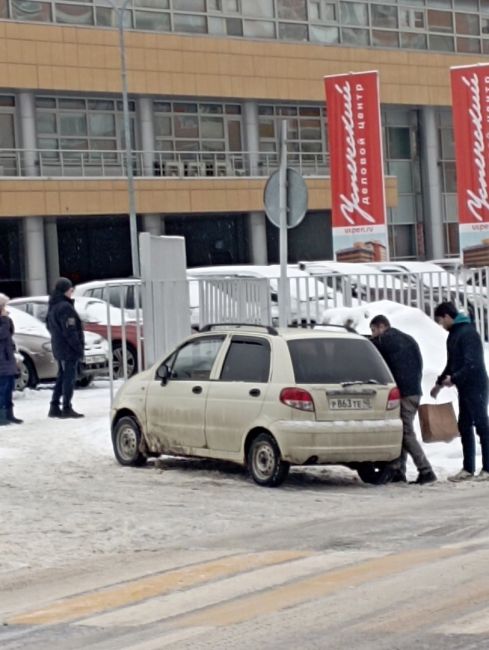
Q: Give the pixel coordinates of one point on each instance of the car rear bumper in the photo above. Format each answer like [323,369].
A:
[339,441]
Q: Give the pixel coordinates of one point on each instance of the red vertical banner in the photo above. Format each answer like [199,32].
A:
[356,167]
[470,104]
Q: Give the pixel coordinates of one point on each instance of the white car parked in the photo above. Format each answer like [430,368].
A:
[264,398]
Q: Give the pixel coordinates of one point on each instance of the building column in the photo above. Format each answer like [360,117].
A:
[432,207]
[147,131]
[258,238]
[27,116]
[257,225]
[34,251]
[52,250]
[152,224]
[252,136]
[36,281]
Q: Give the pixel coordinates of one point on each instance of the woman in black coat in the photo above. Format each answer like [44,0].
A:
[8,365]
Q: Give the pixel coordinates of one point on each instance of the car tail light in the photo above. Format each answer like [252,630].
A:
[394,399]
[297,398]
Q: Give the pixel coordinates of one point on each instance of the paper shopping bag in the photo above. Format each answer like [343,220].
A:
[438,422]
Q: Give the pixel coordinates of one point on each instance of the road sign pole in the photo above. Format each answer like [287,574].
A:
[283,289]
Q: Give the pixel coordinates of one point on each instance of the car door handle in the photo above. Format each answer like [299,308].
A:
[255,392]
[197,390]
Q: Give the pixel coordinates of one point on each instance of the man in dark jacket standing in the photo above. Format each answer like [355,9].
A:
[466,370]
[403,356]
[67,341]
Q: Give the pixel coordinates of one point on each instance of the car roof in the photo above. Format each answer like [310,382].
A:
[107,283]
[287,333]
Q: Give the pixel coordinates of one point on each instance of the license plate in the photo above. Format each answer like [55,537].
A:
[349,403]
[89,360]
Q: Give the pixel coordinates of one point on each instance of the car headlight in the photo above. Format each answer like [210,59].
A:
[47,346]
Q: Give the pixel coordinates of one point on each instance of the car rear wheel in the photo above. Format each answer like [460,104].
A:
[265,463]
[118,361]
[370,472]
[126,439]
[27,374]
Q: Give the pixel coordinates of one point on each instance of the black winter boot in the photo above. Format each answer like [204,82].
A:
[70,413]
[55,411]
[3,418]
[11,417]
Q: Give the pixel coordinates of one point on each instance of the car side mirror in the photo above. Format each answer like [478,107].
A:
[163,374]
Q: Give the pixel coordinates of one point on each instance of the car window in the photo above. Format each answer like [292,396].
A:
[114,295]
[195,359]
[248,359]
[95,293]
[23,306]
[334,361]
[40,311]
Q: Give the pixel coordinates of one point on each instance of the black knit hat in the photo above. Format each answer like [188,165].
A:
[62,285]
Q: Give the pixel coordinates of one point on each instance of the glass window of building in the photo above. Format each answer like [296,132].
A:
[354,13]
[27,10]
[384,16]
[206,129]
[8,140]
[440,25]
[292,9]
[306,136]
[76,125]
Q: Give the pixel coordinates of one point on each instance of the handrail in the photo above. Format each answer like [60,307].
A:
[110,163]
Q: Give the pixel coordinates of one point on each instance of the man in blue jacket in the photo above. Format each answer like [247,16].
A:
[403,356]
[466,370]
[68,344]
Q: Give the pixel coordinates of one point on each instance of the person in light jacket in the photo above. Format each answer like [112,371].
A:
[8,365]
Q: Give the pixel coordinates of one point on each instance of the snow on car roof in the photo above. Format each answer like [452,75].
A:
[89,309]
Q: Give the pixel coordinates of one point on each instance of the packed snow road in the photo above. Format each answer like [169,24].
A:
[191,554]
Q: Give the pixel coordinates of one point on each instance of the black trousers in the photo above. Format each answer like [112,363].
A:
[473,413]
[65,383]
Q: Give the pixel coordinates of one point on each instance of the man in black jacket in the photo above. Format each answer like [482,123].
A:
[403,356]
[466,370]
[67,341]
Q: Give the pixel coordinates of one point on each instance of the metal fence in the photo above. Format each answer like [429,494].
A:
[255,300]
[112,163]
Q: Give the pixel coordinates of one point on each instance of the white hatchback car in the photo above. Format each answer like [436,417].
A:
[264,398]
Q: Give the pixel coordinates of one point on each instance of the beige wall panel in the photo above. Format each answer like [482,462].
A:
[69,58]
[86,197]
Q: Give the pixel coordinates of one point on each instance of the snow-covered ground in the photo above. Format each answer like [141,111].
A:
[63,496]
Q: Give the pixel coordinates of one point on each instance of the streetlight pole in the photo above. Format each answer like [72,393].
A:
[120,9]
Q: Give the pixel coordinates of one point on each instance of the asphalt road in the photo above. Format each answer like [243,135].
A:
[386,568]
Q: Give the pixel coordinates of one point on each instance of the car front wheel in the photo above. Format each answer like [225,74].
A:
[126,440]
[27,377]
[265,463]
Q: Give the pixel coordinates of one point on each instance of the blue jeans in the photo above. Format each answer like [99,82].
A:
[7,385]
[65,383]
[473,413]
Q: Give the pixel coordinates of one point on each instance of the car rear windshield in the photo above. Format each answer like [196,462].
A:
[334,361]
